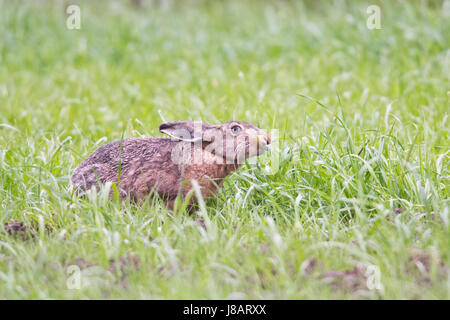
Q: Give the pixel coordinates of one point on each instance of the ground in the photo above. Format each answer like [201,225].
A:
[357,203]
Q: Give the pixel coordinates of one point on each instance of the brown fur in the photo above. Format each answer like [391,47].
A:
[146,165]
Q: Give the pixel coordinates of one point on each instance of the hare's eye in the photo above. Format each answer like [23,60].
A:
[235,129]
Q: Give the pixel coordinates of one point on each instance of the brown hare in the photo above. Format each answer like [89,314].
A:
[197,151]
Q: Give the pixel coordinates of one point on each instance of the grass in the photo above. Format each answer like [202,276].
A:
[363,175]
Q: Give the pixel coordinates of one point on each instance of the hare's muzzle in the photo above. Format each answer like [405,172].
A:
[264,141]
[268,140]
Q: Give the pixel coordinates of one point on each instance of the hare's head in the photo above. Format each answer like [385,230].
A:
[233,141]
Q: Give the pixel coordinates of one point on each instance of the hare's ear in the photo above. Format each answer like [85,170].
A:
[183,130]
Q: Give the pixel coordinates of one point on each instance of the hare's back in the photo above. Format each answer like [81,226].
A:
[106,162]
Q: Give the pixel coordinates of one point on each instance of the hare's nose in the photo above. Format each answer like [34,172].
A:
[267,138]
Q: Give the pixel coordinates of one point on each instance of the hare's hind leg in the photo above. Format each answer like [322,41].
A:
[89,176]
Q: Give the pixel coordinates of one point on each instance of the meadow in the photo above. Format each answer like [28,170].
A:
[358,207]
